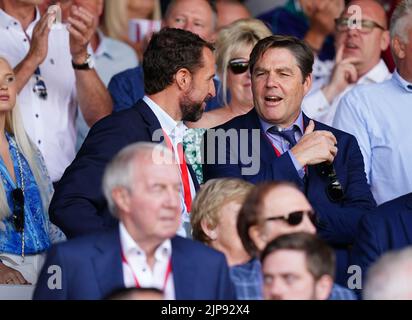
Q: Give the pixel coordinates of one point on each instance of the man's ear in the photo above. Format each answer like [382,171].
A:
[208,230]
[385,40]
[323,287]
[398,48]
[183,79]
[121,198]
[307,84]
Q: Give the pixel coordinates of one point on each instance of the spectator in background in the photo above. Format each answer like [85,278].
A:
[274,209]
[213,219]
[197,16]
[117,17]
[312,21]
[49,89]
[233,47]
[143,192]
[378,116]
[25,193]
[229,11]
[390,278]
[358,60]
[297,266]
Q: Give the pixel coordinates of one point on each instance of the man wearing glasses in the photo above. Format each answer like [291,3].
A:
[358,60]
[285,144]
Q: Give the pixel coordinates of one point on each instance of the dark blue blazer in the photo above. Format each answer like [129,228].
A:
[78,205]
[388,227]
[91,268]
[337,223]
[127,87]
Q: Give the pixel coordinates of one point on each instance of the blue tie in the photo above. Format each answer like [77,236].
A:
[288,135]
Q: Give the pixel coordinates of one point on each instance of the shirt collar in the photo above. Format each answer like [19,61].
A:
[298,122]
[8,22]
[407,86]
[174,129]
[102,49]
[377,74]
[129,246]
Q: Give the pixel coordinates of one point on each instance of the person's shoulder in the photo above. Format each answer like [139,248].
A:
[195,249]
[394,207]
[128,75]
[245,121]
[368,90]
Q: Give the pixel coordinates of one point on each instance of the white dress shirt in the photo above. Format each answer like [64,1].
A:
[136,265]
[316,106]
[380,117]
[49,123]
[175,130]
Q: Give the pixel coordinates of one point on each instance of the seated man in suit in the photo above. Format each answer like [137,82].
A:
[141,185]
[286,145]
[197,16]
[179,68]
[387,228]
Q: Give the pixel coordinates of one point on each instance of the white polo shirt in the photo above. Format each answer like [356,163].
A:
[49,123]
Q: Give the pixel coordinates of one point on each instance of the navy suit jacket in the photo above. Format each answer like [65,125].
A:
[78,205]
[127,87]
[91,268]
[389,227]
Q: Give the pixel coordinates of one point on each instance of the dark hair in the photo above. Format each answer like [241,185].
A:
[132,292]
[320,258]
[168,51]
[300,50]
[212,4]
[250,212]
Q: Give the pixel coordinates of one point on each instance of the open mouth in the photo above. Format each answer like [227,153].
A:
[351,46]
[273,99]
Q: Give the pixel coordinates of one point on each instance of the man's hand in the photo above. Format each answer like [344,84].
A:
[315,146]
[344,73]
[82,27]
[39,44]
[11,276]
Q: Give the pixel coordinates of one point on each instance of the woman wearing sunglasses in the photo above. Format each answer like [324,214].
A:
[25,192]
[233,47]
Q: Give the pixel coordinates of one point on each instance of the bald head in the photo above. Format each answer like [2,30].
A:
[370,9]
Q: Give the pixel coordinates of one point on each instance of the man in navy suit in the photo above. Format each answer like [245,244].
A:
[388,227]
[276,141]
[142,186]
[179,68]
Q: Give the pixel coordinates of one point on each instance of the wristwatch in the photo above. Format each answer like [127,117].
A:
[87,65]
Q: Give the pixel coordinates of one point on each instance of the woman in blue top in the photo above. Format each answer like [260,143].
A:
[25,192]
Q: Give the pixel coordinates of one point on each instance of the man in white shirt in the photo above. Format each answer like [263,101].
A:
[54,75]
[142,188]
[358,59]
[379,116]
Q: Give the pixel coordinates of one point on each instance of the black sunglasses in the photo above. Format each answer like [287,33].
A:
[238,66]
[334,189]
[18,209]
[295,218]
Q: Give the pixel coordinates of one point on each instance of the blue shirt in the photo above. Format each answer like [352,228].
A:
[282,145]
[36,221]
[247,279]
[127,87]
[380,117]
[291,20]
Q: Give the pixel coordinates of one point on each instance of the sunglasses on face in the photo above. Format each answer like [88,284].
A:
[18,209]
[334,189]
[295,218]
[238,66]
[363,26]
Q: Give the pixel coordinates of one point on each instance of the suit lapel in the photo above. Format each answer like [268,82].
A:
[183,270]
[150,119]
[107,262]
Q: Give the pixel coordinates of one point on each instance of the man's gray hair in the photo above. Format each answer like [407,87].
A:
[401,20]
[390,278]
[121,169]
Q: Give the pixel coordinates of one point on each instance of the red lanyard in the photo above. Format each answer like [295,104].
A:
[183,170]
[136,281]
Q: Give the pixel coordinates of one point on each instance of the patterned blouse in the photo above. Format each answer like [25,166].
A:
[38,231]
[192,144]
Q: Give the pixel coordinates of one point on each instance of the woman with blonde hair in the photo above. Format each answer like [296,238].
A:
[25,193]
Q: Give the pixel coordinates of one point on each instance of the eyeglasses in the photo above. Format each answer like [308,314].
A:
[40,85]
[238,66]
[18,209]
[334,189]
[8,79]
[295,218]
[363,26]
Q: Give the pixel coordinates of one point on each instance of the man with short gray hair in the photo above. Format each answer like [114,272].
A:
[142,186]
